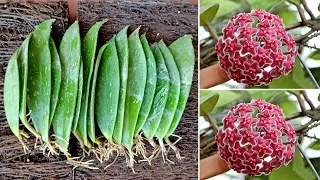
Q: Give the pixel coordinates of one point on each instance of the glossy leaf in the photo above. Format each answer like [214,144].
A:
[295,170]
[39,78]
[226,7]
[183,53]
[88,52]
[297,2]
[123,55]
[315,145]
[207,103]
[11,95]
[227,97]
[55,77]
[150,86]
[262,4]
[137,78]
[315,55]
[288,17]
[208,12]
[160,97]
[107,90]
[296,79]
[70,56]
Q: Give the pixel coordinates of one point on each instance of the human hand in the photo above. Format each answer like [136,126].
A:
[212,166]
[212,76]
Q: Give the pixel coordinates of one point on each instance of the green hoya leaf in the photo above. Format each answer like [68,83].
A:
[288,17]
[294,80]
[207,92]
[207,103]
[226,7]
[298,76]
[208,11]
[288,107]
[227,97]
[265,5]
[315,55]
[262,94]
[315,145]
[295,170]
[297,2]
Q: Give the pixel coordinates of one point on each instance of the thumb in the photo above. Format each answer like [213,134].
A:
[212,166]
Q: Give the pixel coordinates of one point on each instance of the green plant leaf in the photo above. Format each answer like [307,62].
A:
[207,103]
[262,4]
[225,6]
[208,11]
[315,55]
[295,170]
[227,97]
[294,80]
[289,17]
[315,145]
[298,76]
[288,107]
[262,94]
[297,2]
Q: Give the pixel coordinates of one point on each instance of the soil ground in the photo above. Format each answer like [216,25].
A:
[159,20]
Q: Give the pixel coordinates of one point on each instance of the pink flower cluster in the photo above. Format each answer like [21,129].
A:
[256,48]
[255,138]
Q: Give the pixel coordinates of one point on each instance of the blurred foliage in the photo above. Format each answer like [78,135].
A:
[315,145]
[297,169]
[297,79]
[315,55]
[286,9]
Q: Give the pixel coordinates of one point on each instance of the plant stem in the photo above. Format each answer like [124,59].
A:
[301,13]
[309,72]
[304,93]
[209,118]
[301,104]
[304,3]
[309,162]
[211,31]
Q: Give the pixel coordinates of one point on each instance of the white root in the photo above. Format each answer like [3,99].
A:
[139,148]
[164,152]
[76,164]
[130,159]
[155,153]
[175,148]
[25,148]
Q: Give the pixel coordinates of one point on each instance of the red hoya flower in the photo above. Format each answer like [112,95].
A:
[255,138]
[256,48]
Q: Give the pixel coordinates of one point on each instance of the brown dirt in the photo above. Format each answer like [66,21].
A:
[165,21]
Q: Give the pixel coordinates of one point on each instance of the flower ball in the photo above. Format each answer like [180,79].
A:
[255,48]
[256,138]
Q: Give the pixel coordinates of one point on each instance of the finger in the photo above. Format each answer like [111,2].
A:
[212,166]
[212,76]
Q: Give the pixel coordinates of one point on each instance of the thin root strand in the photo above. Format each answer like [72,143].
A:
[175,148]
